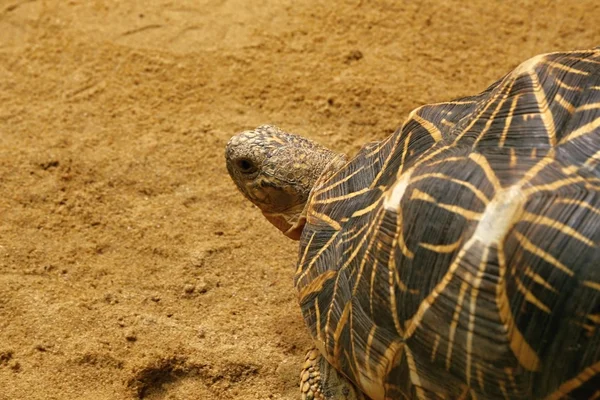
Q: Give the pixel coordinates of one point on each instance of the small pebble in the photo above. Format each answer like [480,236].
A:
[189,289]
[131,336]
[201,333]
[14,365]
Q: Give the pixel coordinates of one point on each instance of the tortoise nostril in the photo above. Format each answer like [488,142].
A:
[246,166]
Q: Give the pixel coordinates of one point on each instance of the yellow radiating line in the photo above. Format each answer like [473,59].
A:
[566,68]
[447,160]
[572,384]
[352,369]
[338,330]
[506,91]
[368,349]
[352,340]
[392,352]
[372,288]
[533,171]
[480,379]
[537,251]
[545,114]
[414,373]
[478,116]
[595,318]
[367,209]
[554,185]
[511,378]
[454,102]
[590,186]
[431,128]
[594,158]
[316,285]
[436,343]
[306,248]
[413,323]
[455,319]
[363,262]
[530,296]
[349,260]
[582,130]
[526,356]
[487,169]
[463,212]
[570,170]
[564,103]
[387,159]
[325,218]
[402,285]
[559,226]
[377,146]
[316,256]
[399,237]
[513,158]
[355,234]
[592,285]
[538,279]
[442,248]
[343,197]
[468,214]
[430,156]
[473,309]
[563,85]
[419,195]
[338,182]
[318,318]
[587,60]
[508,120]
[588,328]
[478,193]
[393,305]
[595,87]
[404,153]
[587,107]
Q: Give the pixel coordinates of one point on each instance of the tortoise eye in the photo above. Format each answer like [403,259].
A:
[246,166]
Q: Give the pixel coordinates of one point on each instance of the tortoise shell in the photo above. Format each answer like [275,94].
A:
[459,257]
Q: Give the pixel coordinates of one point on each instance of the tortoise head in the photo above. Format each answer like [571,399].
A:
[276,171]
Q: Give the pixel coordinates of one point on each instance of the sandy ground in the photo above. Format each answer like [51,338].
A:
[129,265]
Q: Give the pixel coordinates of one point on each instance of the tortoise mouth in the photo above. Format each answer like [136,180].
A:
[274,198]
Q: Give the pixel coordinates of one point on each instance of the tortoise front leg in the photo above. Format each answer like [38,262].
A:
[320,381]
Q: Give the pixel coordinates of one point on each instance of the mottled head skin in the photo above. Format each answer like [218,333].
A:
[276,171]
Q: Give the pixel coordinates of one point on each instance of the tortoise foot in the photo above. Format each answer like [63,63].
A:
[320,381]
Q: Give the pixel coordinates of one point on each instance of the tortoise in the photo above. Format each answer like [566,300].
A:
[457,258]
